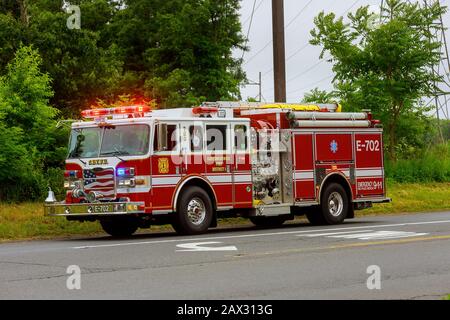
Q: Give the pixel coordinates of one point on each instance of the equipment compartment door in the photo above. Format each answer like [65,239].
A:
[304,167]
[334,148]
[219,161]
[241,167]
[369,164]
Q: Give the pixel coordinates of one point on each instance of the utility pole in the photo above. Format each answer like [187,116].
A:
[260,88]
[279,60]
[259,84]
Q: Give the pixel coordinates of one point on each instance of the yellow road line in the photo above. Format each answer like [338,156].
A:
[344,246]
[397,241]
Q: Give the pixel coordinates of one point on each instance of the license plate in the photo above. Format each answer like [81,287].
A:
[101,208]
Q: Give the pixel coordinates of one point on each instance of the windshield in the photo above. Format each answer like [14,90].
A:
[132,140]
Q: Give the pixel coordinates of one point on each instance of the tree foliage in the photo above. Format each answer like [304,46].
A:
[387,67]
[28,140]
[177,51]
[184,53]
[319,96]
[171,52]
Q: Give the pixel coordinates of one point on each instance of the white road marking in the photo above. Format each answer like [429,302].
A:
[368,235]
[121,244]
[200,246]
[381,235]
[331,233]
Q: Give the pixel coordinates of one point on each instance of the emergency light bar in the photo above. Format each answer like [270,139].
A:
[204,110]
[129,110]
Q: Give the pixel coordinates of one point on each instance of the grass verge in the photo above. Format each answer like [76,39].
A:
[27,221]
[413,197]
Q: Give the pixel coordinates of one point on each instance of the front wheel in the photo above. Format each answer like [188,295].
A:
[119,226]
[194,212]
[268,221]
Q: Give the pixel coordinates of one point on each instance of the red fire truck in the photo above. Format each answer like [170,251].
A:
[133,167]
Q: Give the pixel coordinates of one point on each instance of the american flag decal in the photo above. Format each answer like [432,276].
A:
[100,180]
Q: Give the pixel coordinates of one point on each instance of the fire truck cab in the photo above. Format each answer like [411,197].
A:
[131,167]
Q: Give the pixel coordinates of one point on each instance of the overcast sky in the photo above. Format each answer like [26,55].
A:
[304,69]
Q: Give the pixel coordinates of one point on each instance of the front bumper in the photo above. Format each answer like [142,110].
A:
[93,209]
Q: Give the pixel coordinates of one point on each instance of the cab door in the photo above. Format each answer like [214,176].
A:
[165,164]
[192,148]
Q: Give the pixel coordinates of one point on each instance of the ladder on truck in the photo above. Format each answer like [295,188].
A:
[331,107]
[304,115]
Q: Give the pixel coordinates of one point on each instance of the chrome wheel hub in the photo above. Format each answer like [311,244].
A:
[196,211]
[335,204]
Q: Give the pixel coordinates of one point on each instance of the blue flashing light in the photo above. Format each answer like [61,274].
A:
[121,172]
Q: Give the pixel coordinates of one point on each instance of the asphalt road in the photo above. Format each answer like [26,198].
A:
[296,261]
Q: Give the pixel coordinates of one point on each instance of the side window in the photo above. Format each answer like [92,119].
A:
[216,137]
[165,137]
[240,138]
[196,138]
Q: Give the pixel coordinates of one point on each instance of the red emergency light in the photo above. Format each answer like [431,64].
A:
[128,110]
[205,110]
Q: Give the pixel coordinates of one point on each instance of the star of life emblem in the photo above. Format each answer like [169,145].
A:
[334,146]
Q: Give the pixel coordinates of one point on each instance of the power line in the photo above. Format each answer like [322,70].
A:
[257,53]
[249,28]
[300,50]
[303,72]
[351,7]
[307,45]
[307,70]
[289,57]
[298,14]
[311,84]
[318,63]
[253,12]
[285,27]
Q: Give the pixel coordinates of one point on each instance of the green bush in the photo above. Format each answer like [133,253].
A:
[432,165]
[29,142]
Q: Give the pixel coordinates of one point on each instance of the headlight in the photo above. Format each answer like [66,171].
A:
[71,184]
[127,183]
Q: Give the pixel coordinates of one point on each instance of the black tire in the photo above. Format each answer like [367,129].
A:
[194,212]
[119,226]
[333,207]
[315,217]
[268,221]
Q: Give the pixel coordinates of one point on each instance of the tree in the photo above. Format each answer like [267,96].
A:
[182,49]
[11,36]
[29,142]
[82,66]
[319,96]
[385,68]
[177,51]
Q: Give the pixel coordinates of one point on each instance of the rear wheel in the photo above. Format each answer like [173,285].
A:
[268,221]
[315,217]
[120,226]
[333,207]
[194,212]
